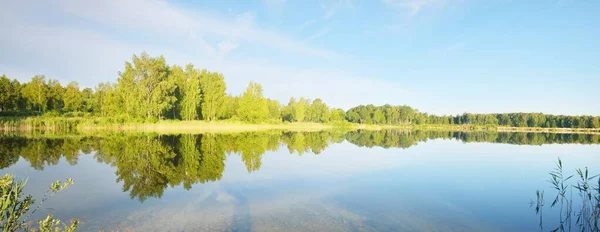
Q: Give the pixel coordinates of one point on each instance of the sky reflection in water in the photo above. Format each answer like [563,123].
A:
[358,181]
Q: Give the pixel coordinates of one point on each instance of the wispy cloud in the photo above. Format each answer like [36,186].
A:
[162,17]
[275,6]
[414,6]
[331,7]
[322,32]
[225,47]
[306,24]
[89,55]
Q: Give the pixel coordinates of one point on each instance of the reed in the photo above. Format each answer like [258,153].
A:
[588,212]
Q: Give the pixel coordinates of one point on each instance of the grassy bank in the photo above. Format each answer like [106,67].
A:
[94,124]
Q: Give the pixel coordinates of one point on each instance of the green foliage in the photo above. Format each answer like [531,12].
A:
[14,208]
[72,97]
[213,95]
[338,115]
[253,106]
[55,96]
[190,88]
[49,224]
[148,90]
[35,92]
[145,88]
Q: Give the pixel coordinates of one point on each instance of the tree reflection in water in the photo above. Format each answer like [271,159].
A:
[146,164]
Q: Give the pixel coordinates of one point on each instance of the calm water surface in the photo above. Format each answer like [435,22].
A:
[305,181]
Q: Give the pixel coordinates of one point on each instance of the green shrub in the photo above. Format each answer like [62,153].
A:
[14,208]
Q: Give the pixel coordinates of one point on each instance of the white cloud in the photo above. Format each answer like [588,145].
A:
[225,47]
[275,6]
[337,88]
[306,24]
[322,32]
[161,17]
[414,6]
[72,53]
[331,7]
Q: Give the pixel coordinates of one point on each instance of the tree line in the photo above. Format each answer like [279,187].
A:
[149,89]
[388,114]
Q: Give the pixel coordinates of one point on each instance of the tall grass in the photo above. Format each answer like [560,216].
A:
[587,214]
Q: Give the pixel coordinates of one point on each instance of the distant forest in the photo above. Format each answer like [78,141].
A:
[149,89]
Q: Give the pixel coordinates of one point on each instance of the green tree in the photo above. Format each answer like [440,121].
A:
[338,115]
[87,100]
[72,97]
[55,95]
[230,105]
[10,97]
[288,111]
[189,91]
[319,112]
[146,90]
[213,95]
[378,117]
[299,110]
[253,106]
[35,92]
[274,110]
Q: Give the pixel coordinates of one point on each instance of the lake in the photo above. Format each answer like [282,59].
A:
[299,181]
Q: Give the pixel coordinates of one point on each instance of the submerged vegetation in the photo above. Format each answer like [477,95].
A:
[581,213]
[15,209]
[149,90]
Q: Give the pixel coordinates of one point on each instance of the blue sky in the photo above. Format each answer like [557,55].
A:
[440,56]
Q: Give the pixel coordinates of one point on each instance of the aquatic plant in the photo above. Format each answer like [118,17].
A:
[588,211]
[15,209]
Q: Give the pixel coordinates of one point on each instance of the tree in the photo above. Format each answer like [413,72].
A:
[35,92]
[189,91]
[213,94]
[253,106]
[230,105]
[72,97]
[55,95]
[319,112]
[87,100]
[145,87]
[274,109]
[338,115]
[9,99]
[107,101]
[378,117]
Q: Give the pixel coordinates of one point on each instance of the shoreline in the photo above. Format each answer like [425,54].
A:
[167,126]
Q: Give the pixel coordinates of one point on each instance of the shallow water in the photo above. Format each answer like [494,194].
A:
[305,181]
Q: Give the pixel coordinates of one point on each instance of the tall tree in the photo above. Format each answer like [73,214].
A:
[319,112]
[338,115]
[87,100]
[300,109]
[288,111]
[72,97]
[10,90]
[213,94]
[191,93]
[147,77]
[378,117]
[253,106]
[35,92]
[55,95]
